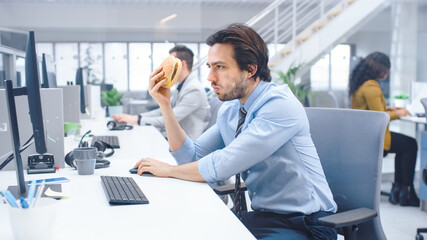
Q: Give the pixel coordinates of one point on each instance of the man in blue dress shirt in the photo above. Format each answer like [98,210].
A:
[274,151]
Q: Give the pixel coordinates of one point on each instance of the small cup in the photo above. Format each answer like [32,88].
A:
[37,222]
[85,160]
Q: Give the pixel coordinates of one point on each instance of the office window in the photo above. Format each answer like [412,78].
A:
[319,74]
[340,67]
[116,65]
[46,48]
[139,66]
[160,52]
[66,58]
[204,70]
[331,72]
[91,60]
[20,71]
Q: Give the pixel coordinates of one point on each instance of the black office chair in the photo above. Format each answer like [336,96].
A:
[351,152]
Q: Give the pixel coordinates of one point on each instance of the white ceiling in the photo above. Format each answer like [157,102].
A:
[130,20]
[206,3]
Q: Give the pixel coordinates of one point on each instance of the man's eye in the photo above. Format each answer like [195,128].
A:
[219,66]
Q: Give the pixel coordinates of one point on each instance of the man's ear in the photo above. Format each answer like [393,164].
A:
[252,69]
[184,64]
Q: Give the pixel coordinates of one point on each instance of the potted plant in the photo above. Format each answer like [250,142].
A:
[401,100]
[300,90]
[112,100]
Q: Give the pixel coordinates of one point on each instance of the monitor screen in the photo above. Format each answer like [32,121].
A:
[33,88]
[79,81]
[48,72]
[418,91]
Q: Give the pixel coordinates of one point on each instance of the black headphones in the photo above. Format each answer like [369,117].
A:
[101,146]
[113,125]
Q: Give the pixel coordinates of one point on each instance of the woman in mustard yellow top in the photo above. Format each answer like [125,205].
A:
[366,94]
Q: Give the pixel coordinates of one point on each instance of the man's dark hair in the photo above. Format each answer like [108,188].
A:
[249,48]
[184,53]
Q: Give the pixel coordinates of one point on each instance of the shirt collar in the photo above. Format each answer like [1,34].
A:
[254,95]
[179,86]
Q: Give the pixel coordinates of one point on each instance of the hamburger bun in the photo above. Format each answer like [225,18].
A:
[172,68]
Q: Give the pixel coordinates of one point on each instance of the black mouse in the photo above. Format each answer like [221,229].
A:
[135,171]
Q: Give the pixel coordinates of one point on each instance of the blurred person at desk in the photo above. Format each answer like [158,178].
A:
[189,101]
[262,133]
[366,94]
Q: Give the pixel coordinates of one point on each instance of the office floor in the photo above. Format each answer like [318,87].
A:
[399,223]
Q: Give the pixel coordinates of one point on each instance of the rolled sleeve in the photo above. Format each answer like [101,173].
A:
[186,153]
[206,169]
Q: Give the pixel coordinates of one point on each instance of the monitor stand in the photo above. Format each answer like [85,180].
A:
[13,122]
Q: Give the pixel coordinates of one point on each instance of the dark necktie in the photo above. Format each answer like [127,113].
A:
[237,192]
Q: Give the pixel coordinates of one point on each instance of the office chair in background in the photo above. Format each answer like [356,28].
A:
[351,152]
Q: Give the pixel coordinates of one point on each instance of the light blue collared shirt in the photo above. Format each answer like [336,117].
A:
[274,153]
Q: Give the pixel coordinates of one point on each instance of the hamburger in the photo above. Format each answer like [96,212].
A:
[172,68]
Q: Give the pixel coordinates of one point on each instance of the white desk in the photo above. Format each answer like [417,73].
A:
[414,119]
[177,209]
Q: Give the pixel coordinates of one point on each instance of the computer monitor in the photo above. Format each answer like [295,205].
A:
[33,88]
[418,91]
[79,81]
[48,72]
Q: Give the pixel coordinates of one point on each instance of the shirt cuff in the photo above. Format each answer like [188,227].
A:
[144,121]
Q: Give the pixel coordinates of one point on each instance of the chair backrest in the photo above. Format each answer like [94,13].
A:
[350,147]
[215,104]
[424,103]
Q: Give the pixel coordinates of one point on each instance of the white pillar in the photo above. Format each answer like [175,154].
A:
[403,47]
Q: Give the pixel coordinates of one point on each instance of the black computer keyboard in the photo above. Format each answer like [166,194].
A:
[122,190]
[112,140]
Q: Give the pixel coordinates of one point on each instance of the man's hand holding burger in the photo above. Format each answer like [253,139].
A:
[163,78]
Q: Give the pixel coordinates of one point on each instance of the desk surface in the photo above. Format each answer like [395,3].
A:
[177,209]
[414,119]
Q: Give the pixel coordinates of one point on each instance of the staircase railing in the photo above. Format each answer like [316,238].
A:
[291,22]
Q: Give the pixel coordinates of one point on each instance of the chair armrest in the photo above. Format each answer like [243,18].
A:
[228,188]
[348,218]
